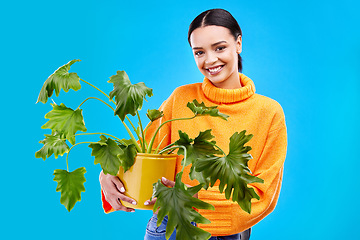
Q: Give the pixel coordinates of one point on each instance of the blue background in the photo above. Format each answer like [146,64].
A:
[304,54]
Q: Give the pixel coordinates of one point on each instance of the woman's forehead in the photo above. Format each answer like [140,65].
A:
[209,35]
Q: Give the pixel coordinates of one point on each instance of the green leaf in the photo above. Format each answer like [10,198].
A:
[127,157]
[106,153]
[232,171]
[129,97]
[66,121]
[154,114]
[60,79]
[199,109]
[53,144]
[196,148]
[70,184]
[199,176]
[178,203]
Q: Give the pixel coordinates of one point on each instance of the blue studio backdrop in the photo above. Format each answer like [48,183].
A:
[304,54]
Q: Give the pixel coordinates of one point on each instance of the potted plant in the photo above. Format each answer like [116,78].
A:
[119,156]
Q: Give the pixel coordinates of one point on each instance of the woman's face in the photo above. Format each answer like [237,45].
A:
[216,55]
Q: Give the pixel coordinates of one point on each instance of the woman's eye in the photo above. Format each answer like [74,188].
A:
[199,53]
[220,48]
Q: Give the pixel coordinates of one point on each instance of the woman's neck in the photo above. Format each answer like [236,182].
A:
[233,82]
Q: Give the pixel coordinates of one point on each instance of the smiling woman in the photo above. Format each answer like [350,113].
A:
[215,39]
[215,51]
[221,24]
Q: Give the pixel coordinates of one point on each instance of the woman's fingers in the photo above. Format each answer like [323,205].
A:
[118,184]
[167,182]
[125,198]
[114,190]
[114,197]
[148,202]
[116,203]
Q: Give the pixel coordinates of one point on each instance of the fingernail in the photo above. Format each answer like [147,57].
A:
[133,203]
[132,210]
[164,179]
[146,203]
[122,189]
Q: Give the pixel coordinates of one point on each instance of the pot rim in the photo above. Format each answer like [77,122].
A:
[153,155]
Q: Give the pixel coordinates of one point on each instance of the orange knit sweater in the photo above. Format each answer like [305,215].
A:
[258,115]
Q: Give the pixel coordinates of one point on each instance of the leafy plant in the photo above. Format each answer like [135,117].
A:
[209,162]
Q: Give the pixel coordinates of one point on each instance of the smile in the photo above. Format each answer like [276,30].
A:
[215,70]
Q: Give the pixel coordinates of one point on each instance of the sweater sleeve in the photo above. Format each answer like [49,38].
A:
[269,167]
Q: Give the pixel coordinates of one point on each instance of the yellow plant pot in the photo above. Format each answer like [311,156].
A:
[147,169]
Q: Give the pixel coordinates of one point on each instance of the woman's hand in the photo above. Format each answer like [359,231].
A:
[114,190]
[167,183]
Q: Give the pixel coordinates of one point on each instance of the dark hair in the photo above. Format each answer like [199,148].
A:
[217,17]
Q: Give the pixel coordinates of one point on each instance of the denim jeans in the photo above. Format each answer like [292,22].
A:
[154,232]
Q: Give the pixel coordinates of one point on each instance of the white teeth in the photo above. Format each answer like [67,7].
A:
[212,70]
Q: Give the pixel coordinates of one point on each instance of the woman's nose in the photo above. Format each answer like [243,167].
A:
[210,58]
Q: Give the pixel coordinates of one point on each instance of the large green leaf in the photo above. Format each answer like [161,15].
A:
[199,109]
[178,203]
[60,79]
[232,171]
[106,153]
[66,121]
[70,184]
[53,144]
[127,157]
[129,97]
[196,148]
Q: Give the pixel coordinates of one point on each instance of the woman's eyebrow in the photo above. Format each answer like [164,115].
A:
[214,44]
[218,43]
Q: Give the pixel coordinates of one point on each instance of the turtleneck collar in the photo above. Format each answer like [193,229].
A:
[220,95]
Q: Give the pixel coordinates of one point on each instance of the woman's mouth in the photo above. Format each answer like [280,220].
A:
[215,70]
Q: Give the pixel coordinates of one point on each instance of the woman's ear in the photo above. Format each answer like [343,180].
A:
[239,45]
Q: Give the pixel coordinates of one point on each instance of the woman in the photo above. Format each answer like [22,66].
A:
[216,41]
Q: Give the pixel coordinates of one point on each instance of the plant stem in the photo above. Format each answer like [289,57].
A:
[67,156]
[185,157]
[142,132]
[98,90]
[146,128]
[168,146]
[132,137]
[126,127]
[132,125]
[218,148]
[174,147]
[135,130]
[157,148]
[171,151]
[96,99]
[157,130]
